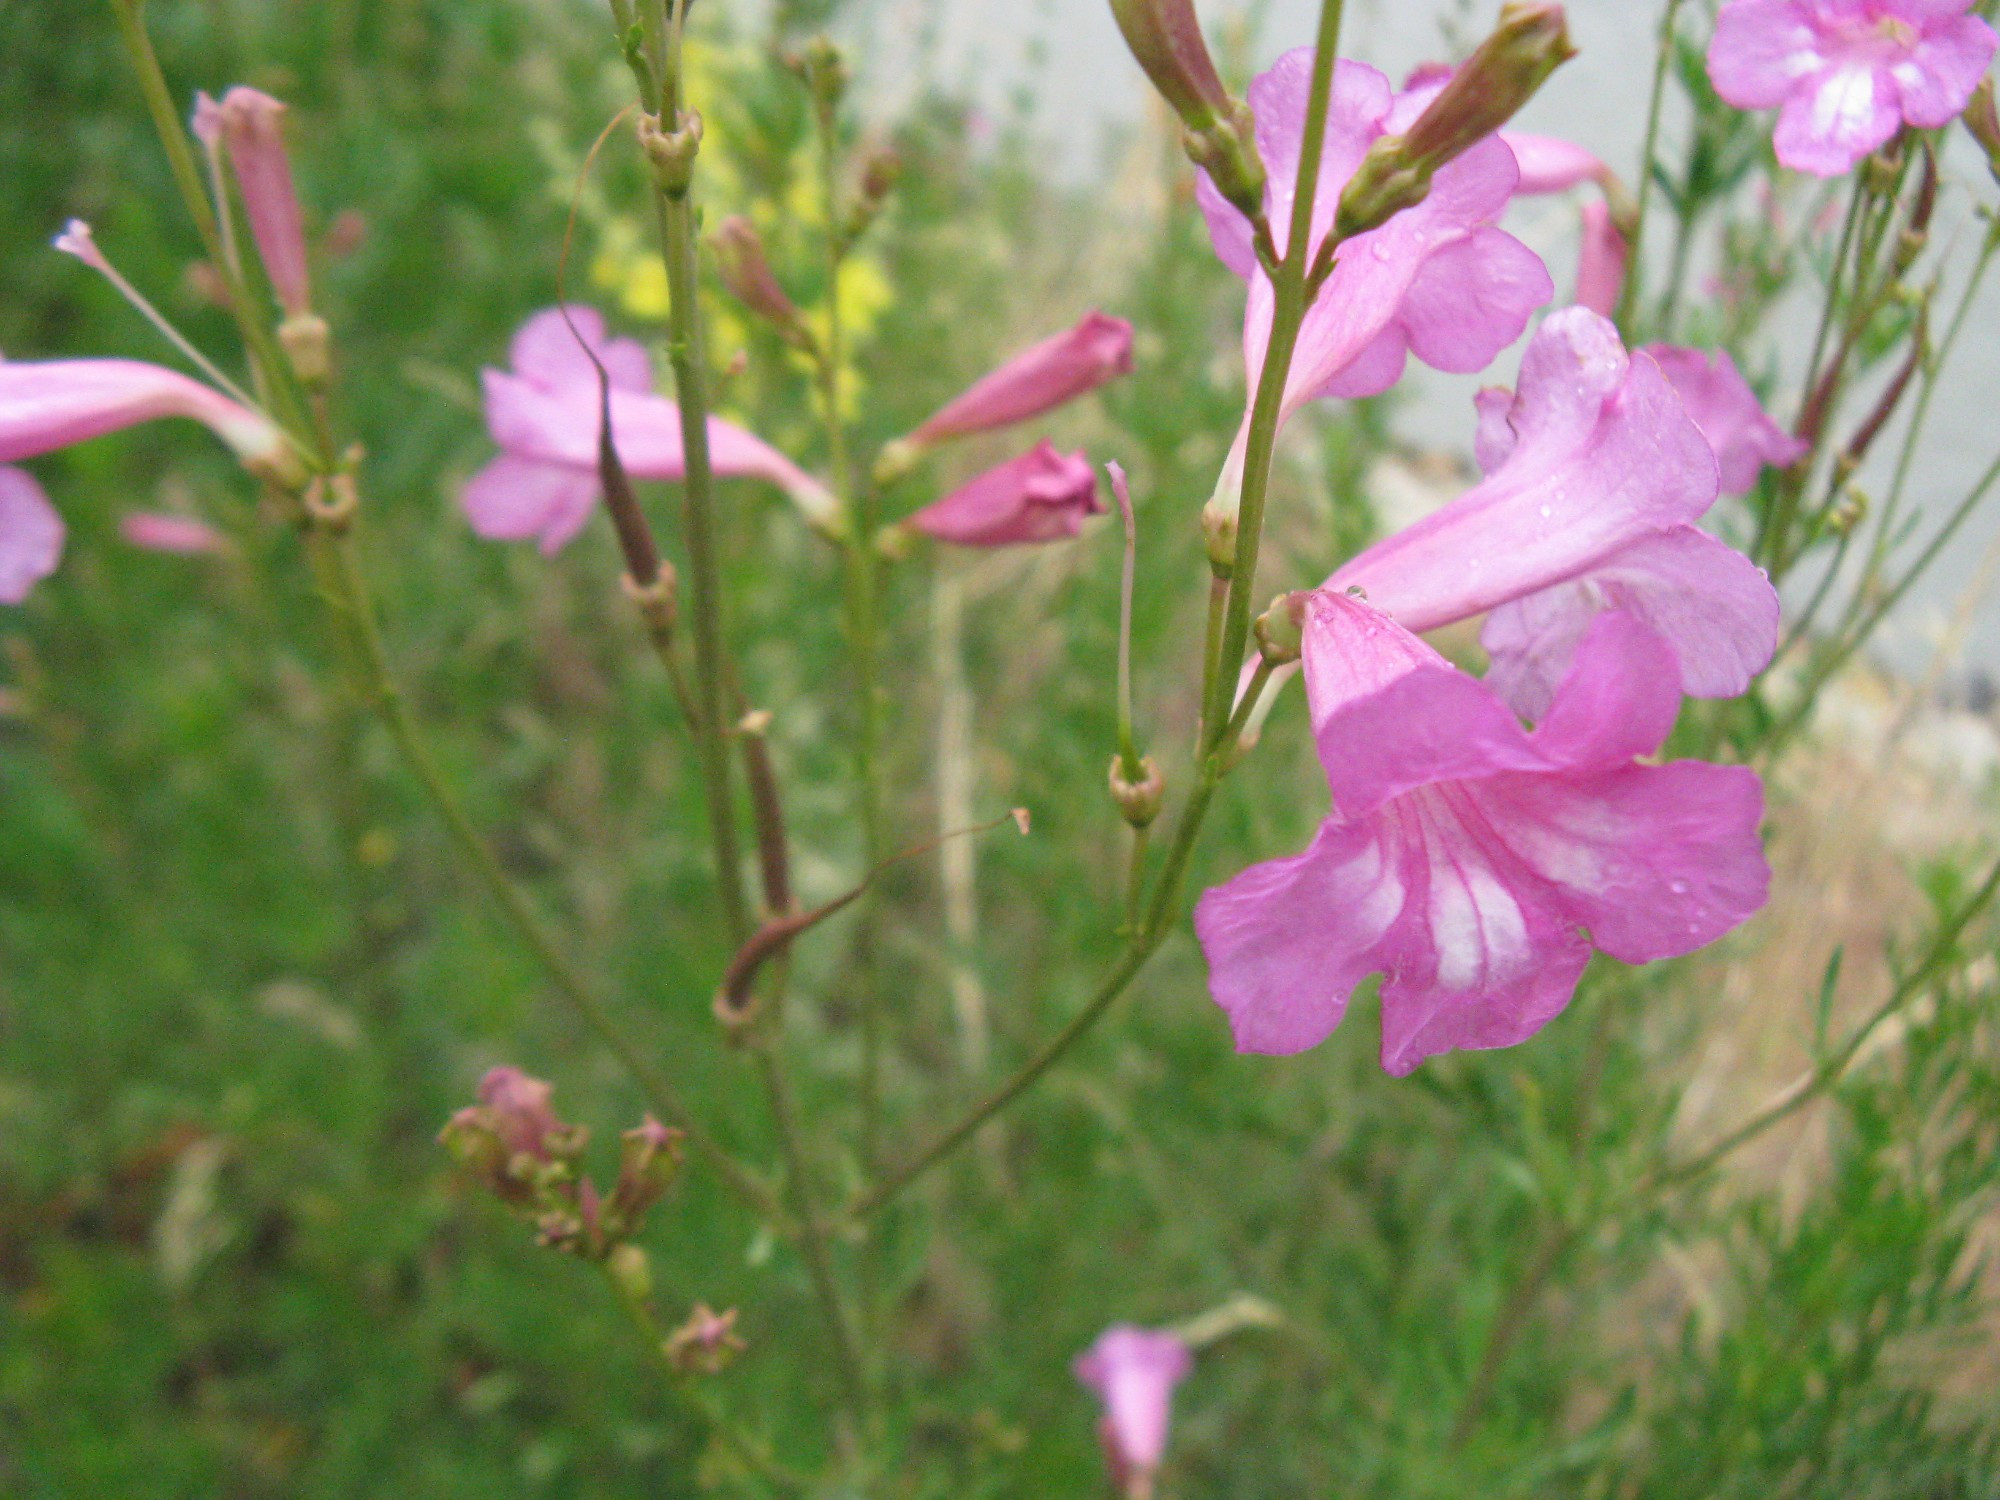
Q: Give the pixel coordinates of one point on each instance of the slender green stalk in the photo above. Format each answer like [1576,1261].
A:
[1211,654]
[753,1455]
[1135,877]
[1286,318]
[1628,298]
[1290,301]
[675,215]
[813,1237]
[344,589]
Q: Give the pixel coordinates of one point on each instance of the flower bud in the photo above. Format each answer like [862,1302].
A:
[880,173]
[250,126]
[1219,133]
[1138,801]
[1281,630]
[825,73]
[1529,43]
[631,1271]
[706,1344]
[306,342]
[672,152]
[740,260]
[649,1159]
[1218,528]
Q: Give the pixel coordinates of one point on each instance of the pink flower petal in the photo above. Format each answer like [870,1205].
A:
[513,499]
[252,127]
[31,534]
[1938,78]
[546,351]
[1042,496]
[1712,606]
[1730,417]
[1134,1371]
[1762,50]
[1600,269]
[181,536]
[51,404]
[1038,379]
[1551,165]
[1844,113]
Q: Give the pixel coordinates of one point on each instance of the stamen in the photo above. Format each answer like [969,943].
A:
[76,239]
[207,127]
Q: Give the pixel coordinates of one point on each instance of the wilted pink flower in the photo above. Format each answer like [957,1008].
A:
[250,126]
[31,534]
[51,404]
[1600,263]
[1053,372]
[545,414]
[1729,415]
[183,535]
[1134,1371]
[1845,75]
[1438,280]
[1466,857]
[1042,496]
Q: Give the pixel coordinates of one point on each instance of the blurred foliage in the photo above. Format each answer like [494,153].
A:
[242,983]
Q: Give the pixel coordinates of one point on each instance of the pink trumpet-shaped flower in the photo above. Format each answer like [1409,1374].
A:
[250,126]
[50,404]
[1134,1371]
[1042,496]
[31,534]
[1845,75]
[1729,415]
[1466,857]
[1437,280]
[180,535]
[544,414]
[1039,379]
[1600,263]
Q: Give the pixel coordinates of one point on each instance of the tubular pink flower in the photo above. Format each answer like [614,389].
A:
[1042,496]
[1727,411]
[1845,75]
[1549,164]
[1134,1371]
[544,415]
[1039,379]
[181,535]
[50,404]
[1466,857]
[1437,280]
[31,534]
[251,127]
[1600,266]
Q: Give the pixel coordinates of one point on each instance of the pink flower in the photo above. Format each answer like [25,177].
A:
[1549,164]
[1845,75]
[1600,264]
[1134,1371]
[250,126]
[1042,496]
[1466,857]
[1052,373]
[1729,415]
[1437,280]
[51,404]
[182,535]
[544,414]
[31,534]
[518,1110]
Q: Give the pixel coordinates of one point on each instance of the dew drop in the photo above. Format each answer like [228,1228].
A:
[1547,511]
[1678,887]
[1356,591]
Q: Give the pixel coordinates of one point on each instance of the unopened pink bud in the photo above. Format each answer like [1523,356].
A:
[1055,371]
[1042,496]
[252,126]
[182,536]
[746,271]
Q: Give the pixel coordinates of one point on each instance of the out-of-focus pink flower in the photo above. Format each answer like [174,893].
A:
[1466,857]
[182,535]
[1134,1372]
[1729,415]
[1042,496]
[1845,75]
[520,1111]
[250,126]
[50,404]
[1438,280]
[544,413]
[1550,164]
[31,534]
[1600,265]
[1038,379]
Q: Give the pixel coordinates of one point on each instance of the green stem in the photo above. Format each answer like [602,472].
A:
[1628,298]
[675,214]
[344,589]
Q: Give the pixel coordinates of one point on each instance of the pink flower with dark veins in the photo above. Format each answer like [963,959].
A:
[544,413]
[1730,416]
[1042,496]
[1134,1372]
[1466,858]
[1438,280]
[31,534]
[1846,75]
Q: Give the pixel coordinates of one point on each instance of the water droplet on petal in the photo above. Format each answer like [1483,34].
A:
[1678,887]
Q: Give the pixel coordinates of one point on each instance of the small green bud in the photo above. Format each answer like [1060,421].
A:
[1281,630]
